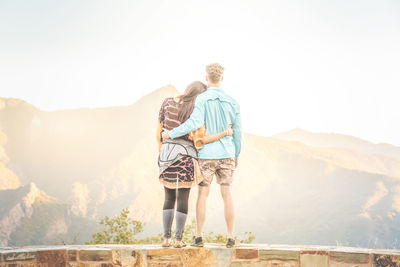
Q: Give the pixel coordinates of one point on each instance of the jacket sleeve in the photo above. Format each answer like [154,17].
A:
[195,121]
[237,133]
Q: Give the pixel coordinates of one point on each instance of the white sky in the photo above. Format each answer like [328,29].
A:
[326,66]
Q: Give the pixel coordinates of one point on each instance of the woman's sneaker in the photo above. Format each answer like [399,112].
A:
[198,241]
[230,243]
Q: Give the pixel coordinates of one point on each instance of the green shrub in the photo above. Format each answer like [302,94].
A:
[122,230]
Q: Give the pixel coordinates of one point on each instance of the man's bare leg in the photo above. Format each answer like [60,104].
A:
[229,210]
[201,206]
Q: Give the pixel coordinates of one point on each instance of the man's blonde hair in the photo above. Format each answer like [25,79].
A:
[214,72]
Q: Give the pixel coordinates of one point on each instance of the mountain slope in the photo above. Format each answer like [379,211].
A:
[287,194]
[321,191]
[72,146]
[30,216]
[8,179]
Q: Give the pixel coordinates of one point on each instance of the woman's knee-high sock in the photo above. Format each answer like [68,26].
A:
[168,217]
[168,211]
[180,225]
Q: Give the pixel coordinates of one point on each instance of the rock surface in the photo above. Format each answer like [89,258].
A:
[210,255]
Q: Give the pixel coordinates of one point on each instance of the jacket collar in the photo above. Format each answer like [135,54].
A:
[214,88]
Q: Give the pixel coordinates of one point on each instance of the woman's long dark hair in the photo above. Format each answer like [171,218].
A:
[188,98]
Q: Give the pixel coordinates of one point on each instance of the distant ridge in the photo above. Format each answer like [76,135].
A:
[12,102]
[339,141]
[161,93]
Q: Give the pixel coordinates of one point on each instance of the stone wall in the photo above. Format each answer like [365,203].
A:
[211,255]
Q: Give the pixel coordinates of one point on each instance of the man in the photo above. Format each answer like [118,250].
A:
[216,110]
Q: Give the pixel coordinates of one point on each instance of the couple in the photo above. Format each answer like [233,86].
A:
[199,136]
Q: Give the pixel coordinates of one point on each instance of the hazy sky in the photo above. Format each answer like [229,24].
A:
[326,66]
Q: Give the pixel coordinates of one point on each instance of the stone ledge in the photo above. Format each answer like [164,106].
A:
[211,255]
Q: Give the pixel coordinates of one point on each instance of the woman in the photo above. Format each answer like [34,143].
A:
[177,160]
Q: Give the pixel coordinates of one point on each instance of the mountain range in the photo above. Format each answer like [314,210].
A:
[62,171]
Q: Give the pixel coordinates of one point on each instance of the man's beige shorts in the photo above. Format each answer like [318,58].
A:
[222,168]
